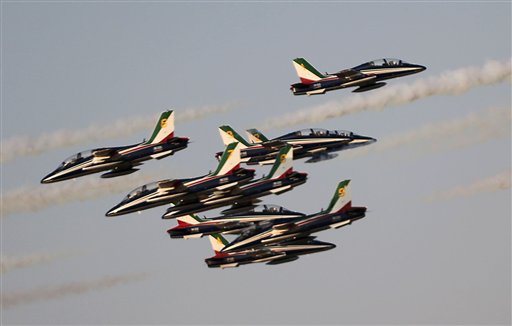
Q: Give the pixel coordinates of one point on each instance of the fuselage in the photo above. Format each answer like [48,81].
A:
[234,223]
[121,161]
[153,194]
[273,254]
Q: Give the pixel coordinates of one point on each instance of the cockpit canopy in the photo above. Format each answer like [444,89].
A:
[318,132]
[272,209]
[76,157]
[386,62]
[137,191]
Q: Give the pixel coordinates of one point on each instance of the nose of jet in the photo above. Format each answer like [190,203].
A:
[48,178]
[114,211]
[419,68]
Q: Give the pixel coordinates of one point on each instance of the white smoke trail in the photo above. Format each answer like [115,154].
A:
[44,293]
[492,184]
[18,146]
[453,82]
[35,198]
[472,129]
[9,263]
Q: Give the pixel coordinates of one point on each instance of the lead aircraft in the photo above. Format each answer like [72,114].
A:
[339,213]
[365,77]
[317,144]
[122,160]
[282,178]
[227,175]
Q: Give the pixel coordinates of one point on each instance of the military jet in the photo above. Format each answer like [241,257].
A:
[340,212]
[282,178]
[317,144]
[122,160]
[277,253]
[193,226]
[365,77]
[227,175]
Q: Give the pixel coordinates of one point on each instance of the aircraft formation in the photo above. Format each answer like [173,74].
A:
[264,233]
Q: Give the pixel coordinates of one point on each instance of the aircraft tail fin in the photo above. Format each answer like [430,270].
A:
[342,199]
[218,242]
[230,160]
[255,136]
[164,129]
[191,219]
[283,163]
[306,72]
[229,135]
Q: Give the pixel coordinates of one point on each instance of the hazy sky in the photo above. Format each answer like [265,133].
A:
[428,252]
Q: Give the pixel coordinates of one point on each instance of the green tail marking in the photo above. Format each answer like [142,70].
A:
[257,134]
[302,62]
[340,192]
[159,125]
[280,159]
[232,133]
[225,156]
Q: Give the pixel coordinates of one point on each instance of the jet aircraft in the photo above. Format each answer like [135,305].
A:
[282,178]
[277,253]
[192,226]
[317,144]
[122,160]
[227,175]
[365,77]
[340,212]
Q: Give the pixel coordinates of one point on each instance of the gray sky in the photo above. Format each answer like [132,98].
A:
[72,65]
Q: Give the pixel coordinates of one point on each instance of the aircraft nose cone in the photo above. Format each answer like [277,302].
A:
[420,68]
[112,212]
[47,179]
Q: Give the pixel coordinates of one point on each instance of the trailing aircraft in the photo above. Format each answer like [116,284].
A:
[277,253]
[122,160]
[317,144]
[365,77]
[227,175]
[282,178]
[193,226]
[339,213]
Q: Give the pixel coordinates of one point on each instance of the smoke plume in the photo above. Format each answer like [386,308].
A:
[458,133]
[9,263]
[453,82]
[56,292]
[38,197]
[492,184]
[18,146]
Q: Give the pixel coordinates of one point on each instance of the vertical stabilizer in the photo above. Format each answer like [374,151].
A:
[255,136]
[342,199]
[191,219]
[164,129]
[306,72]
[218,242]
[230,160]
[283,163]
[229,136]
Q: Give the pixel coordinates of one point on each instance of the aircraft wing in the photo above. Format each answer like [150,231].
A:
[276,144]
[171,185]
[101,155]
[351,77]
